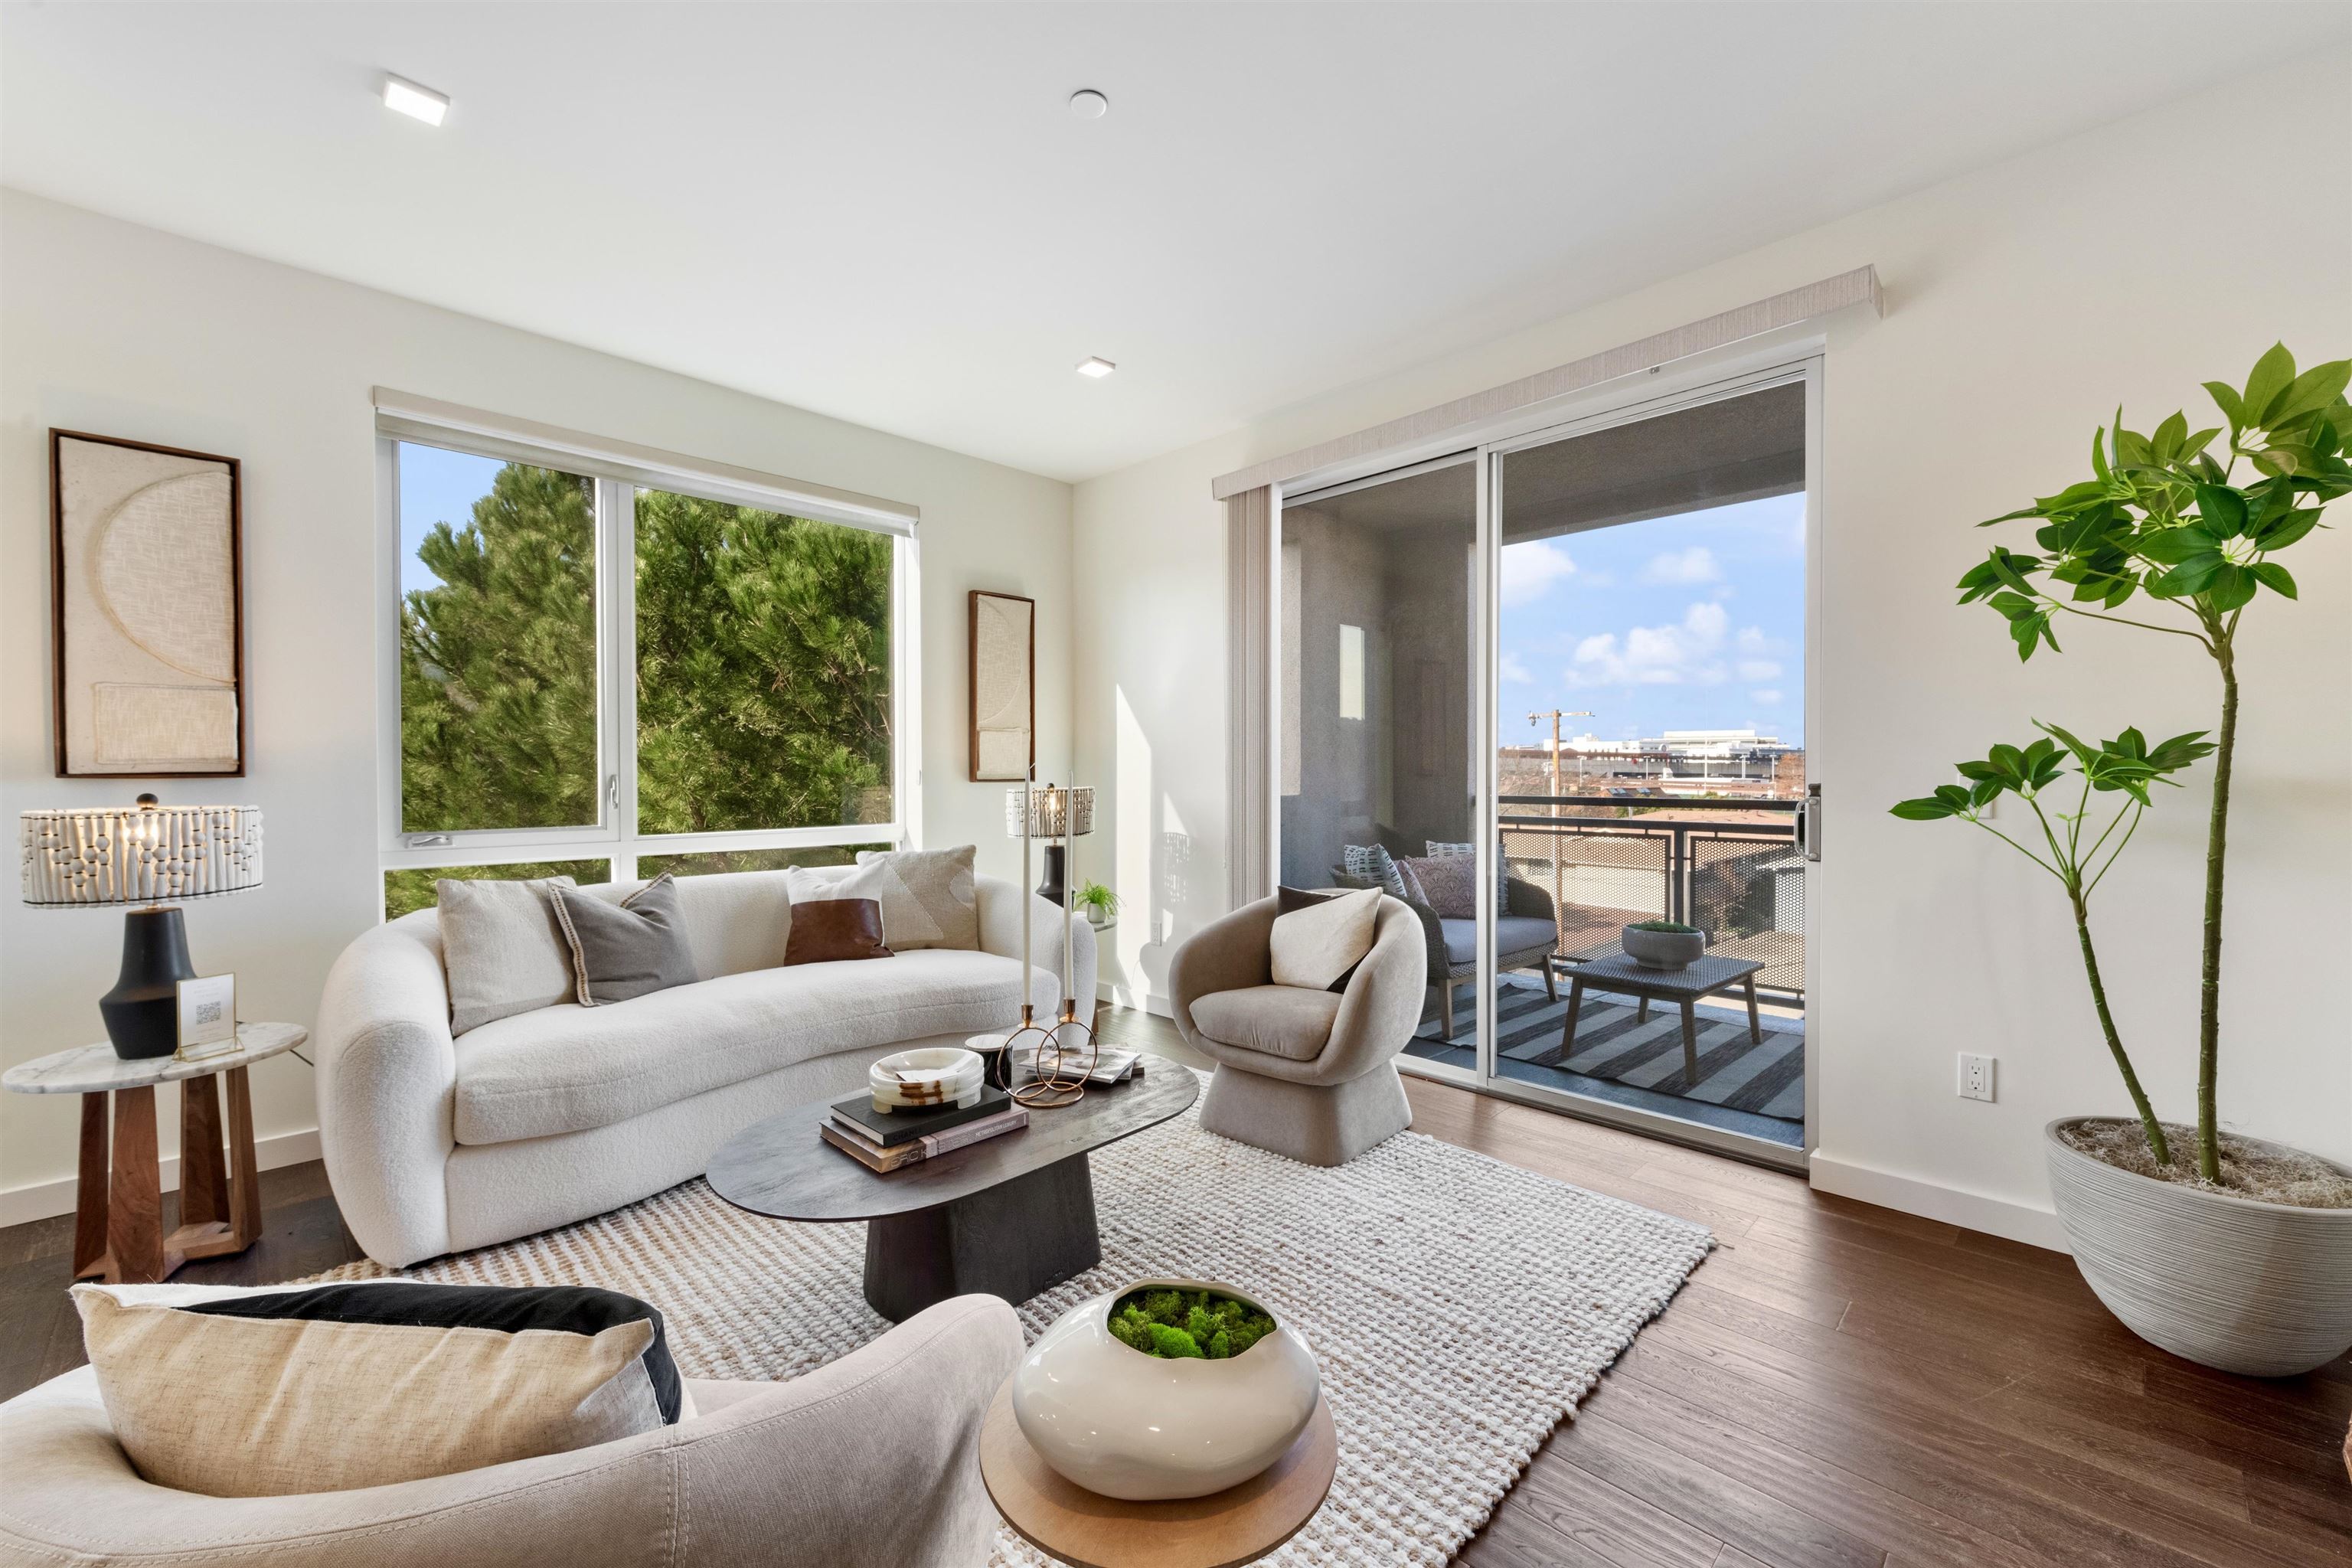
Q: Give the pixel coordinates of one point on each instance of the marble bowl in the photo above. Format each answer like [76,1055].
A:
[1135,1427]
[926,1080]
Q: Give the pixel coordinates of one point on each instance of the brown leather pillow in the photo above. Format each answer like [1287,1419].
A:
[825,930]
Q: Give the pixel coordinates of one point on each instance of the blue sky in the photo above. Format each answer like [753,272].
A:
[435,486]
[1690,622]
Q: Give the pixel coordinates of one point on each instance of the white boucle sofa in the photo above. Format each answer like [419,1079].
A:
[436,1145]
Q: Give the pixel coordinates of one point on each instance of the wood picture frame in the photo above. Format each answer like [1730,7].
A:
[148,666]
[1003,673]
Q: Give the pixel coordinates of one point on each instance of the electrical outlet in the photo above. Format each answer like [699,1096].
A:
[1976,1076]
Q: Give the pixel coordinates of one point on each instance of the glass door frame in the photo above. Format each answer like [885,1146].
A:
[1800,361]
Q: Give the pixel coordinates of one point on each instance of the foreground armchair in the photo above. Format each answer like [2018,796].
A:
[872,1459]
[1306,1074]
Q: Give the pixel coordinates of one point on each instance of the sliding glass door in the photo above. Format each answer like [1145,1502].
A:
[1558,682]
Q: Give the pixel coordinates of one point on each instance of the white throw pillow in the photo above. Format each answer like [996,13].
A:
[1314,946]
[503,950]
[926,897]
[243,1393]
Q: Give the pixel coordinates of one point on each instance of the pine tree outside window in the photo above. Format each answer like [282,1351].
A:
[611,672]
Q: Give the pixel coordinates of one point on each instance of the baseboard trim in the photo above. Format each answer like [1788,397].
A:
[1127,996]
[1954,1206]
[42,1200]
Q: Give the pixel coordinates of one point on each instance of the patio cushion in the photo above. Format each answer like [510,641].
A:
[1513,933]
[1274,1020]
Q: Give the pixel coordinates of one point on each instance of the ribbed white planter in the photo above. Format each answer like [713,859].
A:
[2263,1290]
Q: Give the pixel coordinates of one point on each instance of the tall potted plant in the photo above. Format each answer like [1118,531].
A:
[2227,1250]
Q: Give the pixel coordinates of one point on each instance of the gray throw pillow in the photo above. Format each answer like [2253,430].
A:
[502,949]
[632,948]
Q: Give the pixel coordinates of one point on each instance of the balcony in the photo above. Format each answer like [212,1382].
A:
[1732,867]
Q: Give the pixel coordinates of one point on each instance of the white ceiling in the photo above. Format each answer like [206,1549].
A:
[886,214]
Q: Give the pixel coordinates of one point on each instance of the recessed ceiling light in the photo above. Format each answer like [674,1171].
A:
[1094,367]
[414,101]
[1088,104]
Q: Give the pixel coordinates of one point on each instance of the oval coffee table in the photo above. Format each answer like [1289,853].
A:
[1239,1524]
[1010,1216]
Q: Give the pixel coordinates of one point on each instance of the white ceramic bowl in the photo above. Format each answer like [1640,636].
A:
[1132,1425]
[951,1075]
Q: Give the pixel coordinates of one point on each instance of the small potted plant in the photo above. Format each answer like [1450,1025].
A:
[1664,944]
[1099,904]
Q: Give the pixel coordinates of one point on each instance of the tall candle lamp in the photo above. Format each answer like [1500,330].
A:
[1066,1053]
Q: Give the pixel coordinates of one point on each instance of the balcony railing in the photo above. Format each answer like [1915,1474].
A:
[1742,882]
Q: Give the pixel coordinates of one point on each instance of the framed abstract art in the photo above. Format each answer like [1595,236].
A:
[1003,686]
[147,610]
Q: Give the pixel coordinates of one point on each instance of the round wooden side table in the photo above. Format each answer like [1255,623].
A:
[118,1214]
[1086,1529]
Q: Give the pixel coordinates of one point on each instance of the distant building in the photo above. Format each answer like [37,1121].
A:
[1695,760]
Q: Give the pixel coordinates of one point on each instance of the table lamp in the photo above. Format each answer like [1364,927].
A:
[142,856]
[1054,813]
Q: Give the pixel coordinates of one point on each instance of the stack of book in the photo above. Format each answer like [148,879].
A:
[885,1141]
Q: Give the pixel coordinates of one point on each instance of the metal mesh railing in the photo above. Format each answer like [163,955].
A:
[1743,882]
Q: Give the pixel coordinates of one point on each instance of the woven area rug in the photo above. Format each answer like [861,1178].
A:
[1613,1042]
[1459,1307]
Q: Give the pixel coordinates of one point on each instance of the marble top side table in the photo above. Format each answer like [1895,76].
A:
[118,1215]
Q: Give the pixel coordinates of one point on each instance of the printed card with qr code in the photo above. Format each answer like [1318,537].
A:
[207,1015]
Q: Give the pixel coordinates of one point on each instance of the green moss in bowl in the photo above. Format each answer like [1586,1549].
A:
[1174,1324]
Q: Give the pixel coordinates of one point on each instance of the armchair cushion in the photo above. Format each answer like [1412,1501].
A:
[1321,940]
[1513,933]
[1286,1021]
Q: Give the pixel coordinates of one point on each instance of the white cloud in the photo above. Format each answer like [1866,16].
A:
[1529,570]
[1767,696]
[1680,654]
[1514,668]
[1760,669]
[1696,565]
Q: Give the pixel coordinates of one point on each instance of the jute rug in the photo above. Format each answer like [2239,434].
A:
[1459,1307]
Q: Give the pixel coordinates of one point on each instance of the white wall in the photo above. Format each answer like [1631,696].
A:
[124,330]
[2024,301]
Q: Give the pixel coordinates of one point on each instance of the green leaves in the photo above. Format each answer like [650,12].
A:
[2128,763]
[2160,516]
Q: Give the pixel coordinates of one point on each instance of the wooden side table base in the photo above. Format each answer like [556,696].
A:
[118,1213]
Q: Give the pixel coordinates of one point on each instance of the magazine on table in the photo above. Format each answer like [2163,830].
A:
[1111,1066]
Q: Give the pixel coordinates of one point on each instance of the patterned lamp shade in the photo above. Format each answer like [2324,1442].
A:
[142,854]
[1053,812]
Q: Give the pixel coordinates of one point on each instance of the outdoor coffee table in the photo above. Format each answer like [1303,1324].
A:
[1010,1216]
[1703,977]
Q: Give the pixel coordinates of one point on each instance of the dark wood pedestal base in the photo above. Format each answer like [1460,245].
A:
[1013,1240]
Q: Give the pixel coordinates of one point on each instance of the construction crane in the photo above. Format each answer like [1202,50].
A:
[1558,913]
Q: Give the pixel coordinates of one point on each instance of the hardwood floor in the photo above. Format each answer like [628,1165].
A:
[1838,1386]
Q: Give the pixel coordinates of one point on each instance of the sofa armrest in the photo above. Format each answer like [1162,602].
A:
[1527,899]
[786,1472]
[387,1090]
[1002,906]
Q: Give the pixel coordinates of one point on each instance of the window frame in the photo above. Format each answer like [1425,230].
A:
[619,471]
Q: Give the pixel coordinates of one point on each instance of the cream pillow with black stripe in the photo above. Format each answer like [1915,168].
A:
[268,1392]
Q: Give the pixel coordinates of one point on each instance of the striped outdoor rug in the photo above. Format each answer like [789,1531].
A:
[1610,1043]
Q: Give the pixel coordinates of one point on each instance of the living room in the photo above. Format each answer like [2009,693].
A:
[1440,823]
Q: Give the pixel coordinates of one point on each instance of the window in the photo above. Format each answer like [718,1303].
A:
[608,669]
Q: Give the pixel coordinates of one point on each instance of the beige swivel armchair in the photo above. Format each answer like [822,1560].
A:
[873,1458]
[1306,1074]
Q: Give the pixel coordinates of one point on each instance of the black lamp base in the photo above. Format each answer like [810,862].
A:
[1050,884]
[142,1011]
